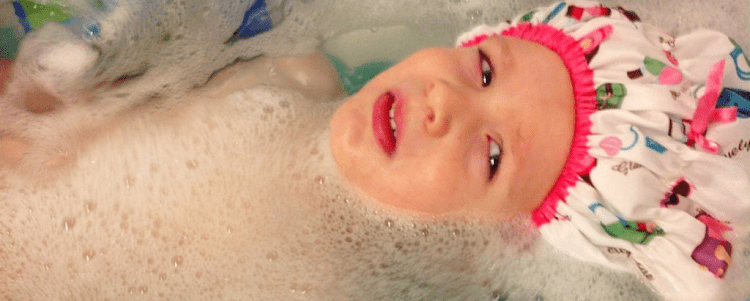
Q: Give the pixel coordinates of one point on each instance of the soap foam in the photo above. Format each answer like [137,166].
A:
[238,198]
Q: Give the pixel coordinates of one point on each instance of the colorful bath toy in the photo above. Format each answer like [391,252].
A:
[358,56]
[33,15]
[259,18]
[355,79]
[9,41]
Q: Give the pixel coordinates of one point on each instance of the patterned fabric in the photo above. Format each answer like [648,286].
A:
[664,170]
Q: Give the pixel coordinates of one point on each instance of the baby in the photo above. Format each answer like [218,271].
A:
[628,147]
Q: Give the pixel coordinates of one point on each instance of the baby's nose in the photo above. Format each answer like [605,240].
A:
[441,108]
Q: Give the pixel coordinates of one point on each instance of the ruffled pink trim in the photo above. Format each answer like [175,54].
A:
[579,161]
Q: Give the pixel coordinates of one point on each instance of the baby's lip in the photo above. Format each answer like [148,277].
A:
[381,125]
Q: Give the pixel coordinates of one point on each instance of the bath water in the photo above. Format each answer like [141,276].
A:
[146,192]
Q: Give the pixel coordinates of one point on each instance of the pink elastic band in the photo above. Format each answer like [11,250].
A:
[581,76]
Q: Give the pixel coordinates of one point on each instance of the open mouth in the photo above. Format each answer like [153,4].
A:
[384,122]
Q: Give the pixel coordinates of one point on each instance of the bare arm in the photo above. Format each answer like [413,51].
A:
[312,75]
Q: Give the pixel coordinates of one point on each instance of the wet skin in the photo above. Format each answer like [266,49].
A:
[451,106]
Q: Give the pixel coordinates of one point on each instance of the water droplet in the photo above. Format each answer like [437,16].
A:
[69,223]
[474,15]
[389,222]
[320,180]
[271,256]
[131,290]
[177,260]
[88,255]
[455,232]
[129,181]
[305,288]
[90,206]
[143,289]
[191,164]
[163,276]
[425,232]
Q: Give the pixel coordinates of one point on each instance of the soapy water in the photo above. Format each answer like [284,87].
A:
[237,198]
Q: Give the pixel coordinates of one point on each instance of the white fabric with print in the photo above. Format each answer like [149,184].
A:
[656,201]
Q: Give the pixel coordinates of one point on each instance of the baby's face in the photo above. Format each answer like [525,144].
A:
[485,128]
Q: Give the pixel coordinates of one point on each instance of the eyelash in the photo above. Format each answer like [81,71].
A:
[495,157]
[495,148]
[484,61]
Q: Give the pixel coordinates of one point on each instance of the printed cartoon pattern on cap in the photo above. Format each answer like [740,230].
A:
[653,113]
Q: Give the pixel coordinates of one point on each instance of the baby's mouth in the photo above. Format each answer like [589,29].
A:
[384,123]
[391,113]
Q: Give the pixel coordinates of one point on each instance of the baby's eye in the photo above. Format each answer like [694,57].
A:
[496,153]
[487,71]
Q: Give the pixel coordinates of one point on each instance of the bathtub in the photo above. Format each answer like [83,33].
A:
[148,195]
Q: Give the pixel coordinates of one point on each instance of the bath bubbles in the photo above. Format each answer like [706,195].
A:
[90,206]
[191,164]
[272,256]
[68,223]
[211,212]
[178,260]
[88,255]
[474,16]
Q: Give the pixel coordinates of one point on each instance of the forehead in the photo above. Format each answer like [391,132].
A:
[475,41]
